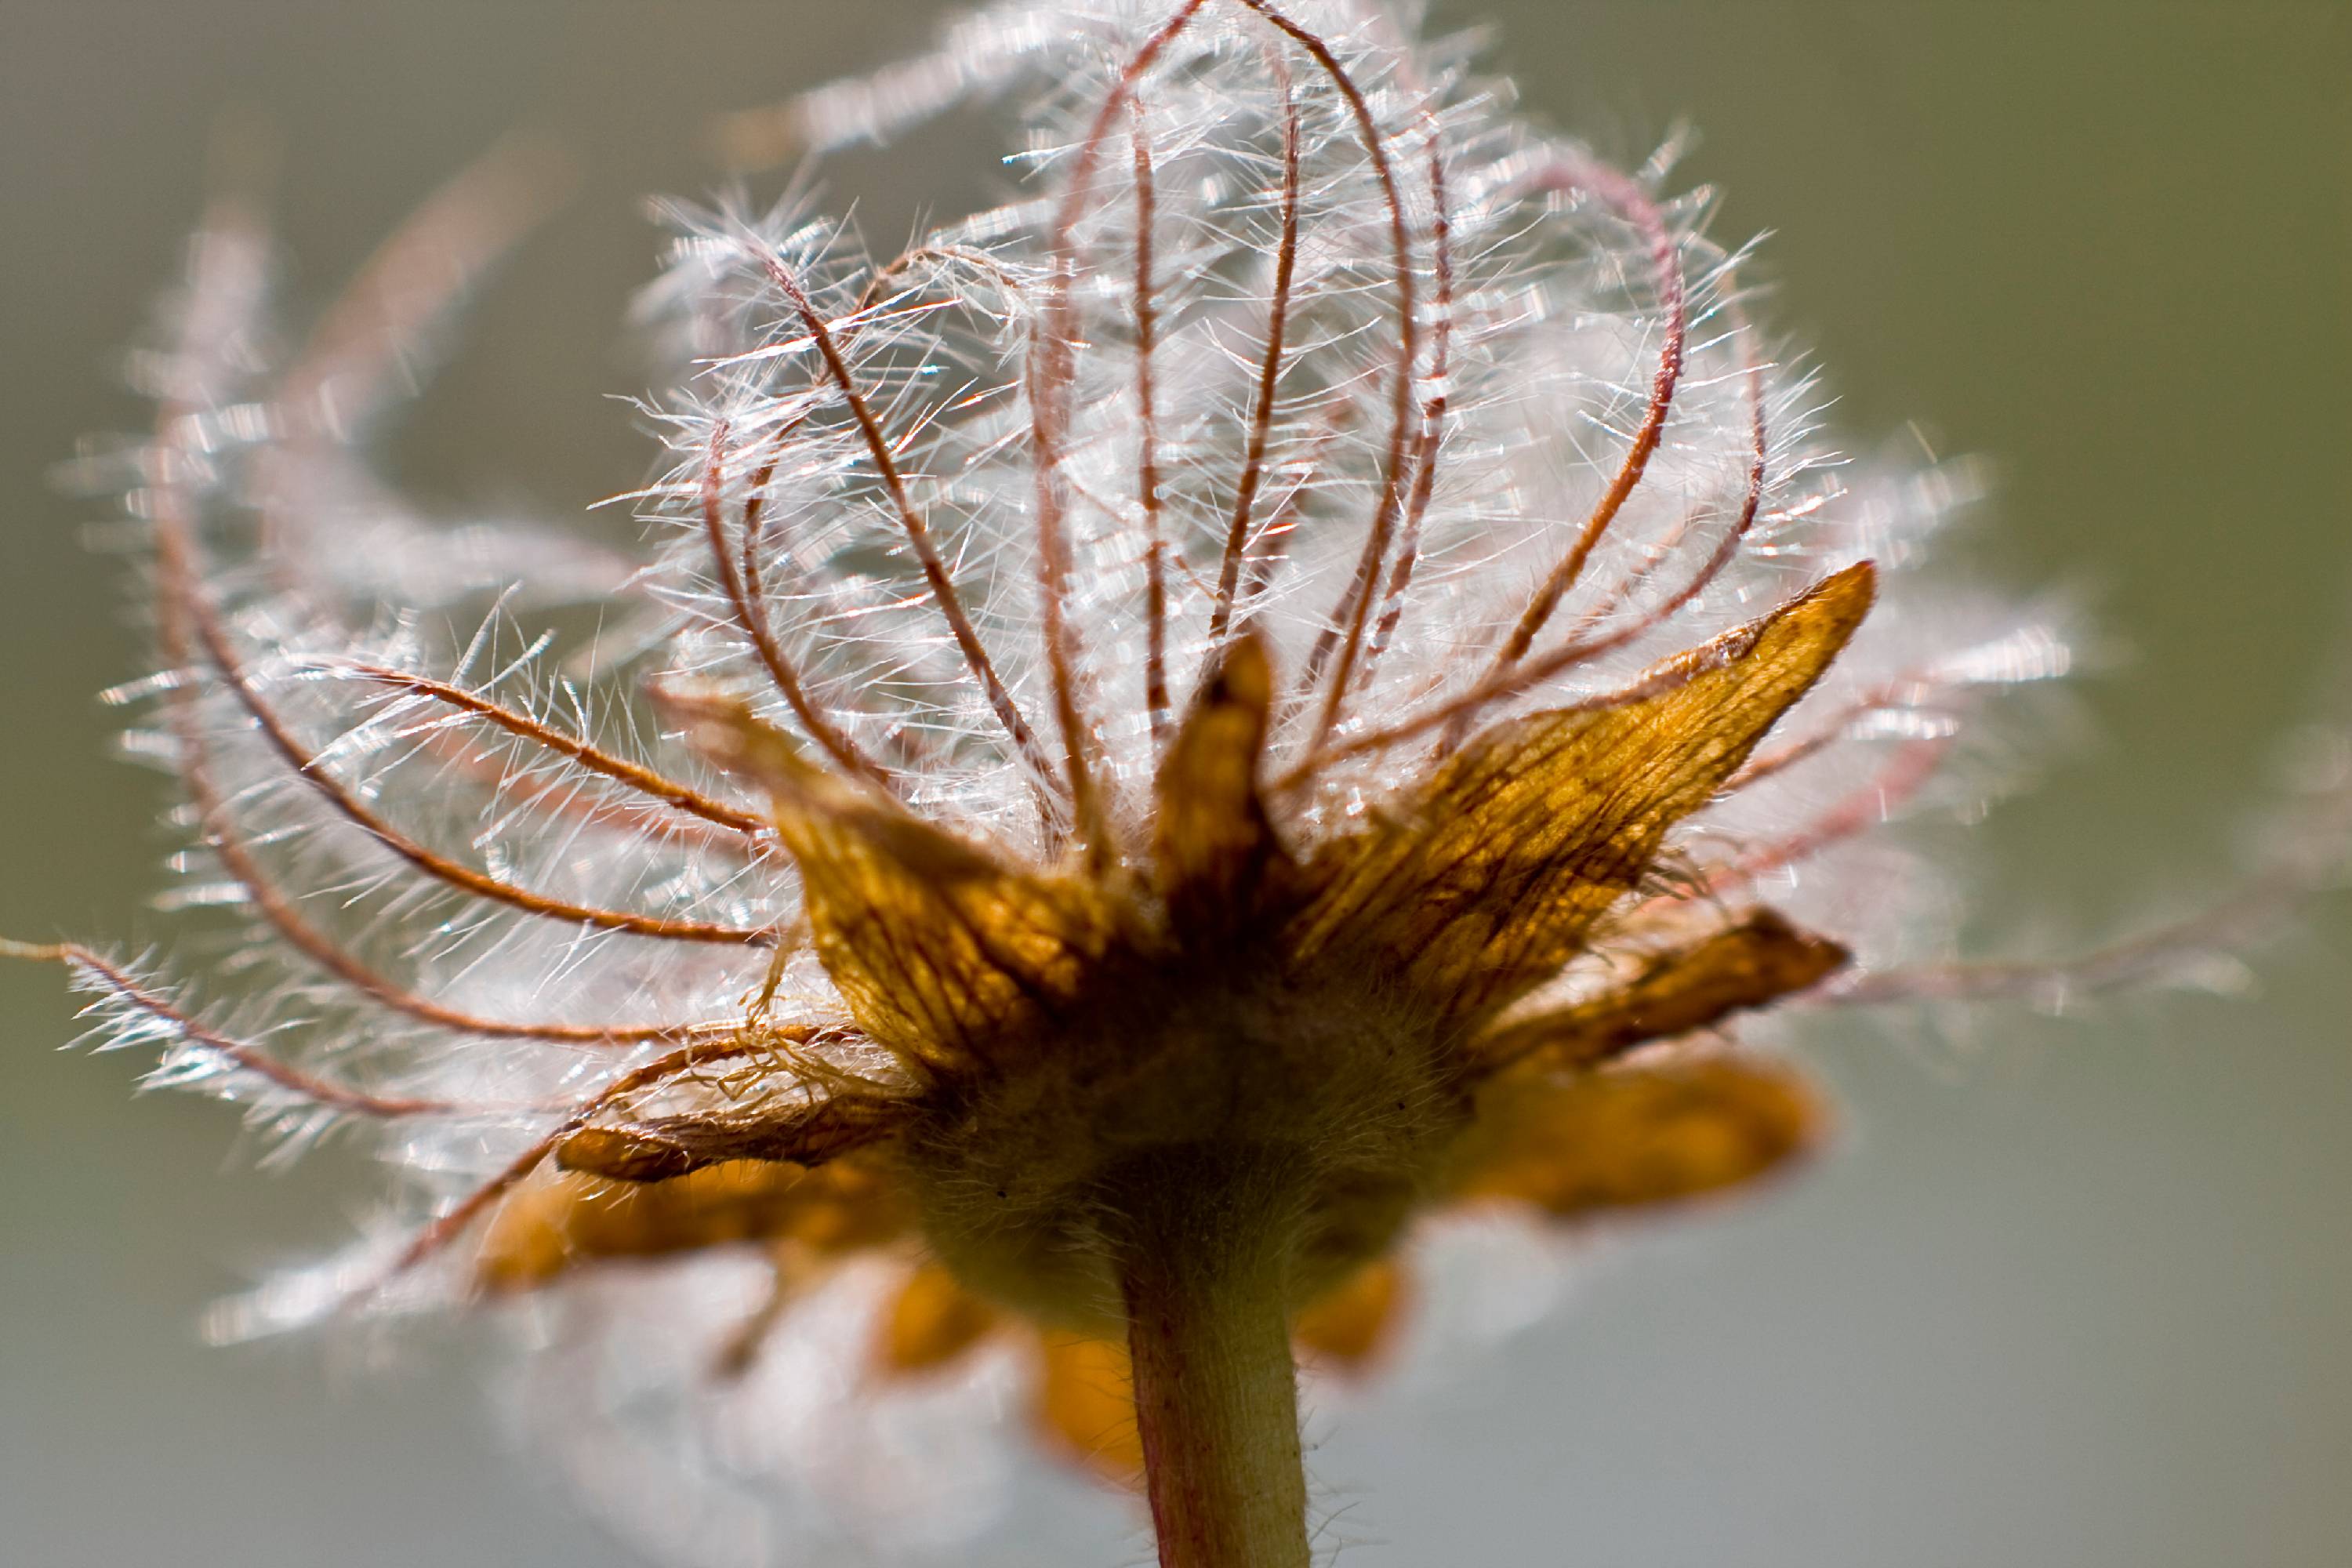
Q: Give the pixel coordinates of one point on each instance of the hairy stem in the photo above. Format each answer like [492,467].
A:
[1201,1265]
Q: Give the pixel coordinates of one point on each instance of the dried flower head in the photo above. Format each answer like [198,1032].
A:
[1292,683]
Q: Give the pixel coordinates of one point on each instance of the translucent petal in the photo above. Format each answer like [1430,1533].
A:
[1488,879]
[1634,1136]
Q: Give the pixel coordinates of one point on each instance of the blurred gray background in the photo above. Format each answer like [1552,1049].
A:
[2075,1293]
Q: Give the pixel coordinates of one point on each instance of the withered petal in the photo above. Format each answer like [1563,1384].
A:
[547,1228]
[1752,964]
[1212,841]
[945,954]
[1085,1405]
[931,1323]
[1487,879]
[1636,1135]
[1354,1322]
[663,1148]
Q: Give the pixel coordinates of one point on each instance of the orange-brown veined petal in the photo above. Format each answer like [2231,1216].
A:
[931,1323]
[802,1134]
[1212,842]
[1085,1406]
[1636,1134]
[1750,964]
[1356,1321]
[548,1228]
[1486,882]
[945,953]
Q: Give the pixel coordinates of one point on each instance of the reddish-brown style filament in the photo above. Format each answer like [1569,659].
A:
[918,532]
[752,616]
[1147,478]
[239,1053]
[1635,203]
[634,775]
[1345,634]
[1277,320]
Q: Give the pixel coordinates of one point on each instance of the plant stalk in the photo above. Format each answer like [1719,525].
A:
[1201,1263]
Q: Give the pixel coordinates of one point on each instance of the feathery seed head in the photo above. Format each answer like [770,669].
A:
[1295,677]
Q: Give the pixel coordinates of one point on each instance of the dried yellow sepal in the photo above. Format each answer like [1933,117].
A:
[1487,879]
[930,1322]
[550,1228]
[1636,1135]
[1350,1324]
[1085,1405]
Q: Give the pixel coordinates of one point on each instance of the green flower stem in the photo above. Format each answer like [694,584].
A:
[1203,1258]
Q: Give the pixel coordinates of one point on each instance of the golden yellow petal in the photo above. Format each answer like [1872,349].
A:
[846,1206]
[1350,1324]
[1488,880]
[550,1228]
[1636,1135]
[945,954]
[1085,1406]
[1212,842]
[931,1323]
[1755,963]
[529,1241]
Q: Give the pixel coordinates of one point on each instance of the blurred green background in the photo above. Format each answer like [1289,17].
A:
[2076,1293]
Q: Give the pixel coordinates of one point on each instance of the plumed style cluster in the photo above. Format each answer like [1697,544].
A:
[1294,680]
